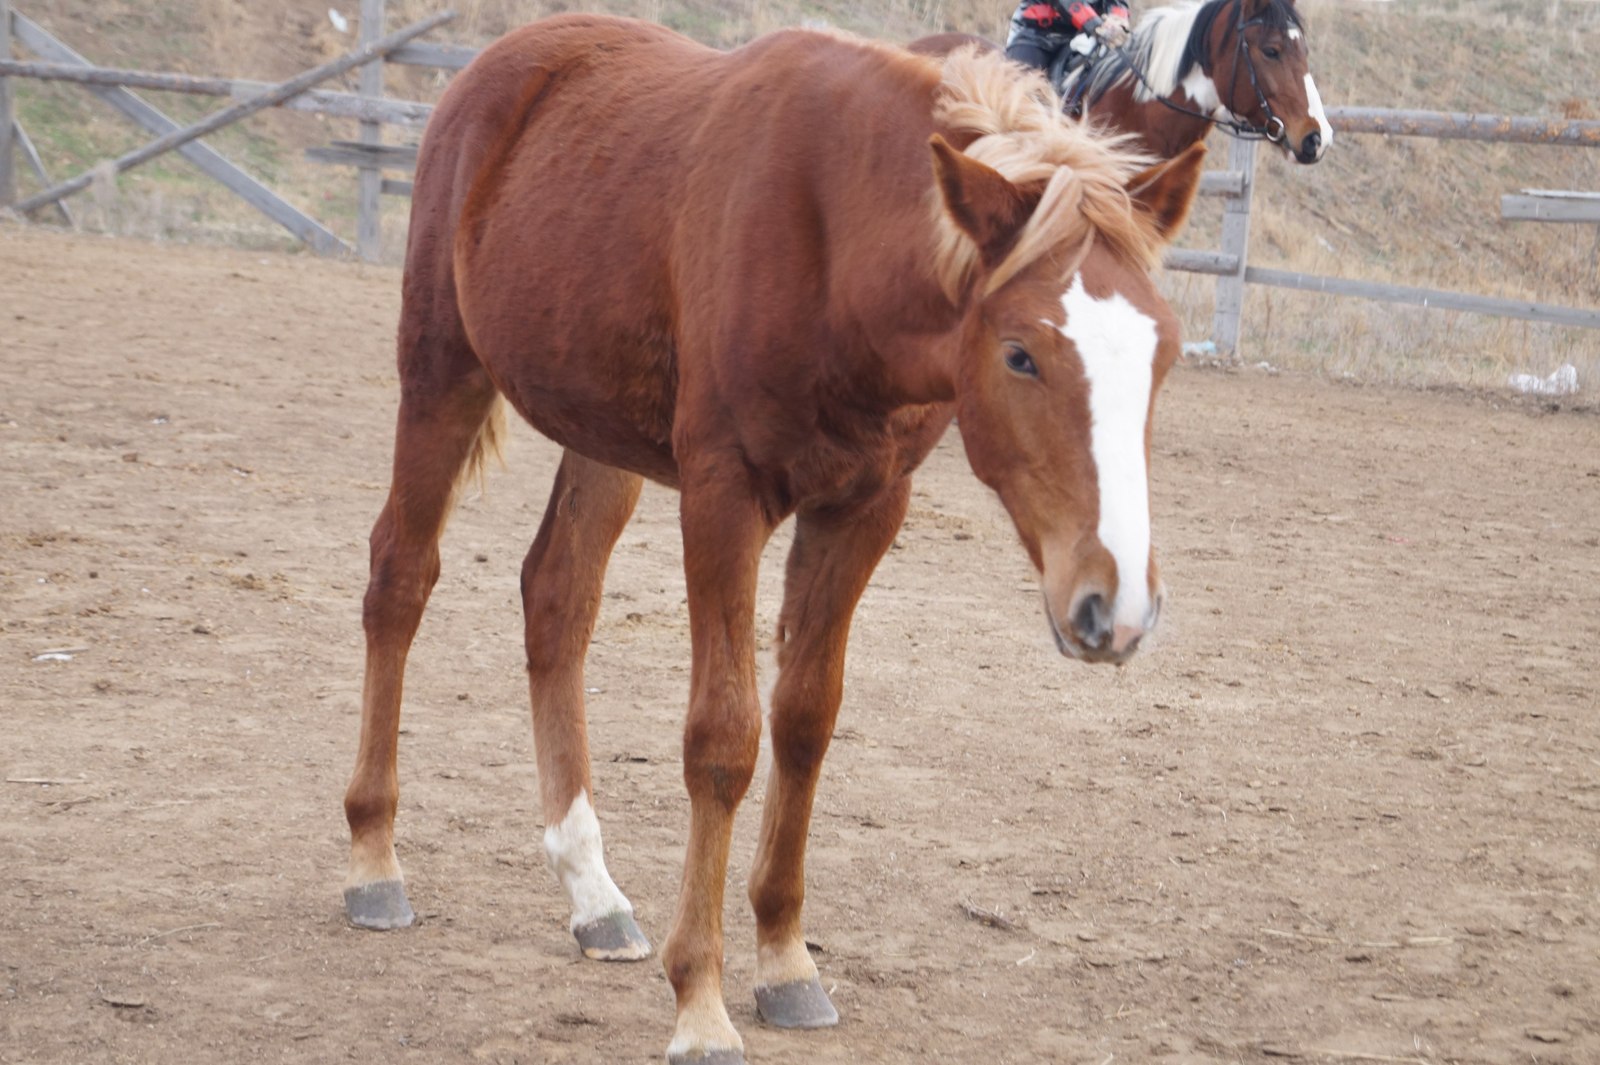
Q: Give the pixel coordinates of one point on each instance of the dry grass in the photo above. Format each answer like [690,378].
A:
[1400,210]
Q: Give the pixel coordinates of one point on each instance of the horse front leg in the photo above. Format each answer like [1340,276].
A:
[724,530]
[829,565]
[562,578]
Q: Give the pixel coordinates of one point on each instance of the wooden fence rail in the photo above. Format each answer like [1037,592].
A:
[315,101]
[1235,272]
[233,113]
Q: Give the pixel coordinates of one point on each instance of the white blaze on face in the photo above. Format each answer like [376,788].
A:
[1117,344]
[1314,109]
[573,847]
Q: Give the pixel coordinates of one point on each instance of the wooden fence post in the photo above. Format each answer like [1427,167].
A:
[369,209]
[1235,242]
[8,140]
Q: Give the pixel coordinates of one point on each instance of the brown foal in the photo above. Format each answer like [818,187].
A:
[768,278]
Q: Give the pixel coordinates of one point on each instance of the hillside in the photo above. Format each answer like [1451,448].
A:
[1396,209]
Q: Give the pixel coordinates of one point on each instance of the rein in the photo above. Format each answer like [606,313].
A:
[1273,130]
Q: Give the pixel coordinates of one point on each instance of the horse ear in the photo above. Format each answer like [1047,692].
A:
[987,207]
[1166,191]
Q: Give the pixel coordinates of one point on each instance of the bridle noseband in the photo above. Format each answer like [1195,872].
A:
[1273,130]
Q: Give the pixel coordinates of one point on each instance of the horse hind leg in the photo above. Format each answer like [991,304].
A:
[562,577]
[447,425]
[829,565]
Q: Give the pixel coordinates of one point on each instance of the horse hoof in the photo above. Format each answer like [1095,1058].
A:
[380,906]
[614,937]
[710,1057]
[800,1004]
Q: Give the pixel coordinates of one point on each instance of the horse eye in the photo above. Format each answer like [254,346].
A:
[1271,52]
[1019,361]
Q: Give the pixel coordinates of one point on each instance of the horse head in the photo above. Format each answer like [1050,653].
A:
[1262,69]
[1065,343]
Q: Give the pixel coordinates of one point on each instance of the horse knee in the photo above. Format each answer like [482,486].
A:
[804,708]
[397,588]
[800,742]
[719,754]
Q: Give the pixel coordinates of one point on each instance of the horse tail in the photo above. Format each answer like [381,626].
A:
[487,445]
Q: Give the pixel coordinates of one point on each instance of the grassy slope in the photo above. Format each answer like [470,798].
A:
[1406,210]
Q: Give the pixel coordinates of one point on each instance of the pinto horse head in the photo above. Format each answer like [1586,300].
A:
[1261,67]
[1061,358]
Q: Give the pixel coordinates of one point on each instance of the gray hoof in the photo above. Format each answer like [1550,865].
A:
[614,937]
[801,1004]
[715,1057]
[380,906]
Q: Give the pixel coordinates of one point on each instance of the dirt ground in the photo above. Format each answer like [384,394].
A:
[1346,809]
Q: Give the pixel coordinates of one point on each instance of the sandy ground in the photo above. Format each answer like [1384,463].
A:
[1347,809]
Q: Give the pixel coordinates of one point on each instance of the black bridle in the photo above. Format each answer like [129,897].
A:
[1273,130]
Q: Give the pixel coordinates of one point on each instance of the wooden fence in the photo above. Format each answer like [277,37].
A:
[1234,272]
[371,157]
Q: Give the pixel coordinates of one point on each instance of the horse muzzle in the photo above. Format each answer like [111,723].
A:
[1311,148]
[1091,634]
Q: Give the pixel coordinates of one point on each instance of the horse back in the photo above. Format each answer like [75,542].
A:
[634,230]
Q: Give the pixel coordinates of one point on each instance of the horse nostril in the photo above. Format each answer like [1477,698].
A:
[1310,146]
[1091,622]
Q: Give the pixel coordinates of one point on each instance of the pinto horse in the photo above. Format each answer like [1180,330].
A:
[1239,64]
[767,278]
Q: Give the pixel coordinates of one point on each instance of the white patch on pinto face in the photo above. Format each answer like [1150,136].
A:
[575,855]
[1117,344]
[1314,109]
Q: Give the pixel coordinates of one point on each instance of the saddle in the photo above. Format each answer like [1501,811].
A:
[1068,63]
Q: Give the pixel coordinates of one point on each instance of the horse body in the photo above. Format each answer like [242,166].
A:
[767,278]
[1191,65]
[1242,64]
[621,296]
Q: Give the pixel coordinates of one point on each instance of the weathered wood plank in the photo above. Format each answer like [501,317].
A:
[369,182]
[314,101]
[352,153]
[1424,297]
[136,79]
[1225,321]
[1561,194]
[1515,208]
[36,164]
[1202,262]
[8,119]
[392,187]
[210,162]
[1457,126]
[424,54]
[1222,183]
[229,115]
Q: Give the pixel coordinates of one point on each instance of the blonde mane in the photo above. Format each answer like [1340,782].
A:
[1022,133]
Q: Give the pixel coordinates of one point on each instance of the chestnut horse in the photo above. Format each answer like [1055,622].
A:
[767,278]
[1239,64]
